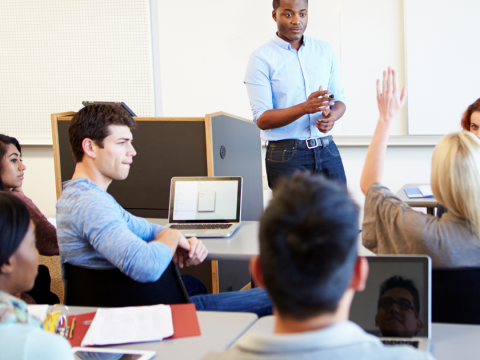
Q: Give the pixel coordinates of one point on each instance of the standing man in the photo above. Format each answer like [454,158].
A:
[289,82]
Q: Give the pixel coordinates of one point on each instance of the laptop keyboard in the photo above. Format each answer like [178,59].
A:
[401,342]
[201,227]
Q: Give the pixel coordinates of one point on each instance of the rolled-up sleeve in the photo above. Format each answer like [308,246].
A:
[335,82]
[259,89]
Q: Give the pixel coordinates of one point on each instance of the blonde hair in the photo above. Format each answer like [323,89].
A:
[456,176]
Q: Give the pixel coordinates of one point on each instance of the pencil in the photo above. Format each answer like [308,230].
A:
[72,327]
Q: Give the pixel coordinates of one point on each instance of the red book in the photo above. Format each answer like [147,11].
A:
[184,316]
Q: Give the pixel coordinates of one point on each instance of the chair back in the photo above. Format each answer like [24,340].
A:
[112,288]
[456,295]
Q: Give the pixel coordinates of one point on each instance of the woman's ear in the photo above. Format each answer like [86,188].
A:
[9,266]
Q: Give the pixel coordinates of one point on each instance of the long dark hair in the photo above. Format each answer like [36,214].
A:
[4,142]
[14,223]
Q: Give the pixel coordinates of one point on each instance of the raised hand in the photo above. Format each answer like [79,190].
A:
[390,100]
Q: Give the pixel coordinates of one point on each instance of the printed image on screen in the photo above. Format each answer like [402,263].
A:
[88,355]
[394,302]
[205,200]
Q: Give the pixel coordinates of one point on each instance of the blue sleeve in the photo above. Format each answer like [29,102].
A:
[335,82]
[141,227]
[43,345]
[111,236]
[259,89]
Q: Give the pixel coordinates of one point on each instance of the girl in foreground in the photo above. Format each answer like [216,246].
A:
[391,227]
[21,336]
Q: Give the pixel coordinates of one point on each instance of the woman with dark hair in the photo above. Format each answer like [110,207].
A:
[21,335]
[471,119]
[11,180]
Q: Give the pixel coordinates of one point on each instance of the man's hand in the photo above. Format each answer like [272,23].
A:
[190,252]
[316,102]
[326,123]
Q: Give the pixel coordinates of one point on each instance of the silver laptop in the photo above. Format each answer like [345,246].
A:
[205,206]
[389,308]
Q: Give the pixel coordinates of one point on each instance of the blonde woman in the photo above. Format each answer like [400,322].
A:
[391,227]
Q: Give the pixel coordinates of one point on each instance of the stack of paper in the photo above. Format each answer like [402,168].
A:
[129,325]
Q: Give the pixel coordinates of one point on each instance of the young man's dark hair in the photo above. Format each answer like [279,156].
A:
[92,122]
[399,282]
[308,245]
[276,4]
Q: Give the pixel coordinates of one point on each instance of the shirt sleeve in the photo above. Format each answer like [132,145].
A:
[259,89]
[112,237]
[392,227]
[141,227]
[42,345]
[335,82]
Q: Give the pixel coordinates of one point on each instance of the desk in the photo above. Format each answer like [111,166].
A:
[448,341]
[243,244]
[429,203]
[219,331]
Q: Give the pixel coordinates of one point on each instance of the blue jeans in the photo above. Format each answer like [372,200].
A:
[254,300]
[284,161]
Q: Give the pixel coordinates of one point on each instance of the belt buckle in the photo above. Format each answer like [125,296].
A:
[312,147]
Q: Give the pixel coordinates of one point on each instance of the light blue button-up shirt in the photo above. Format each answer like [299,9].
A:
[279,77]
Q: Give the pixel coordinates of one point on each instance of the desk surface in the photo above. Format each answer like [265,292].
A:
[448,341]
[219,331]
[242,245]
[419,202]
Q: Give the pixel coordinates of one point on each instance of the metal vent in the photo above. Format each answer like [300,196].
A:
[223,152]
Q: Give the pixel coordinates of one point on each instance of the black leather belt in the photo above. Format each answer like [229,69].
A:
[311,143]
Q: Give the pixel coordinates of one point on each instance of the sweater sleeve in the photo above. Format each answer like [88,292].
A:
[45,233]
[390,226]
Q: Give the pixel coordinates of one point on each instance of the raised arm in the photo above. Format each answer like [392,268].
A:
[390,102]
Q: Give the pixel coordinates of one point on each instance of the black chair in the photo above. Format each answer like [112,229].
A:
[112,288]
[456,295]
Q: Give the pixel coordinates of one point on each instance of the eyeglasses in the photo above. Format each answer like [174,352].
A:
[403,304]
[57,320]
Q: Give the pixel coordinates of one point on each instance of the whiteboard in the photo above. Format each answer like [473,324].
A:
[56,54]
[442,62]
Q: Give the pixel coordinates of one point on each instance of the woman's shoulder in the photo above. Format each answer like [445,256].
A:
[22,341]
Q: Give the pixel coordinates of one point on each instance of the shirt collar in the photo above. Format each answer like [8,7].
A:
[14,310]
[286,45]
[340,334]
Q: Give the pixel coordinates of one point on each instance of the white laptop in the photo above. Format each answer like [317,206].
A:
[397,316]
[205,206]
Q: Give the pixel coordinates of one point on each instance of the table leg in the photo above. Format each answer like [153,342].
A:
[431,211]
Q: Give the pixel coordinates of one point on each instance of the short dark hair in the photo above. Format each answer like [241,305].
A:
[407,284]
[14,223]
[92,122]
[308,245]
[4,141]
[276,4]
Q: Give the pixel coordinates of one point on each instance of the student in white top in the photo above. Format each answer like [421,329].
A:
[309,264]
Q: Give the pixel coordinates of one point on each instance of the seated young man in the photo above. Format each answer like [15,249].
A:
[94,231]
[308,263]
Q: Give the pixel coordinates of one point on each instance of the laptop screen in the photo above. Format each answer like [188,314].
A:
[212,199]
[402,310]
